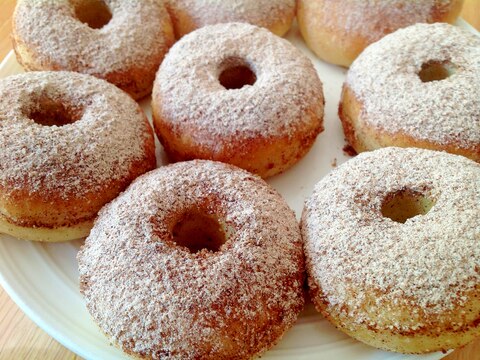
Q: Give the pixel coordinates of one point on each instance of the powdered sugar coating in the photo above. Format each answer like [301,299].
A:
[385,79]
[71,160]
[156,299]
[430,262]
[286,93]
[257,12]
[135,37]
[372,19]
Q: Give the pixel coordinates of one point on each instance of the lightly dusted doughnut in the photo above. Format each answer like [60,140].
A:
[195,260]
[64,153]
[121,41]
[189,15]
[417,87]
[392,249]
[337,31]
[236,93]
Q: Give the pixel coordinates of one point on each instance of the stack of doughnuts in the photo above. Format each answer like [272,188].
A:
[388,242]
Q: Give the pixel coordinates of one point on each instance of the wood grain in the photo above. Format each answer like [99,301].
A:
[20,338]
[471,12]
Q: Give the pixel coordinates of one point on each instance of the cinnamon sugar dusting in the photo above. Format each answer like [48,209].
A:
[286,93]
[158,299]
[372,19]
[430,262]
[385,78]
[131,39]
[257,12]
[70,160]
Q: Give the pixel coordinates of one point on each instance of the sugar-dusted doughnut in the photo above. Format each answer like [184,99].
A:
[392,249]
[236,93]
[121,41]
[196,260]
[417,87]
[338,30]
[189,15]
[69,143]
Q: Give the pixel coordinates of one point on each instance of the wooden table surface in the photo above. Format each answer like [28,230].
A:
[21,339]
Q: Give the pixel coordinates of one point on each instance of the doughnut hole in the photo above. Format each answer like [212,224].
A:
[94,13]
[197,230]
[402,205]
[52,112]
[236,74]
[436,70]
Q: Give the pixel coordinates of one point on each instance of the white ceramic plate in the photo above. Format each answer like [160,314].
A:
[43,278]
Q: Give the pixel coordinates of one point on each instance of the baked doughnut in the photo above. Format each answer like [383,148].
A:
[196,260]
[391,243]
[417,87]
[337,31]
[237,93]
[188,15]
[69,143]
[121,41]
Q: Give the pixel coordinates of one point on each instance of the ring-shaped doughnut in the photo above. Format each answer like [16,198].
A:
[417,87]
[121,41]
[392,249]
[69,143]
[236,93]
[196,245]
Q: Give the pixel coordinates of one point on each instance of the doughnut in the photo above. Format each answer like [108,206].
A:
[69,143]
[338,31]
[391,243]
[196,260]
[236,93]
[187,15]
[417,87]
[121,41]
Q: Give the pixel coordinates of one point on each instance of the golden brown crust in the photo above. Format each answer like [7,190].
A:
[265,156]
[51,209]
[363,137]
[446,331]
[324,24]
[43,216]
[43,234]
